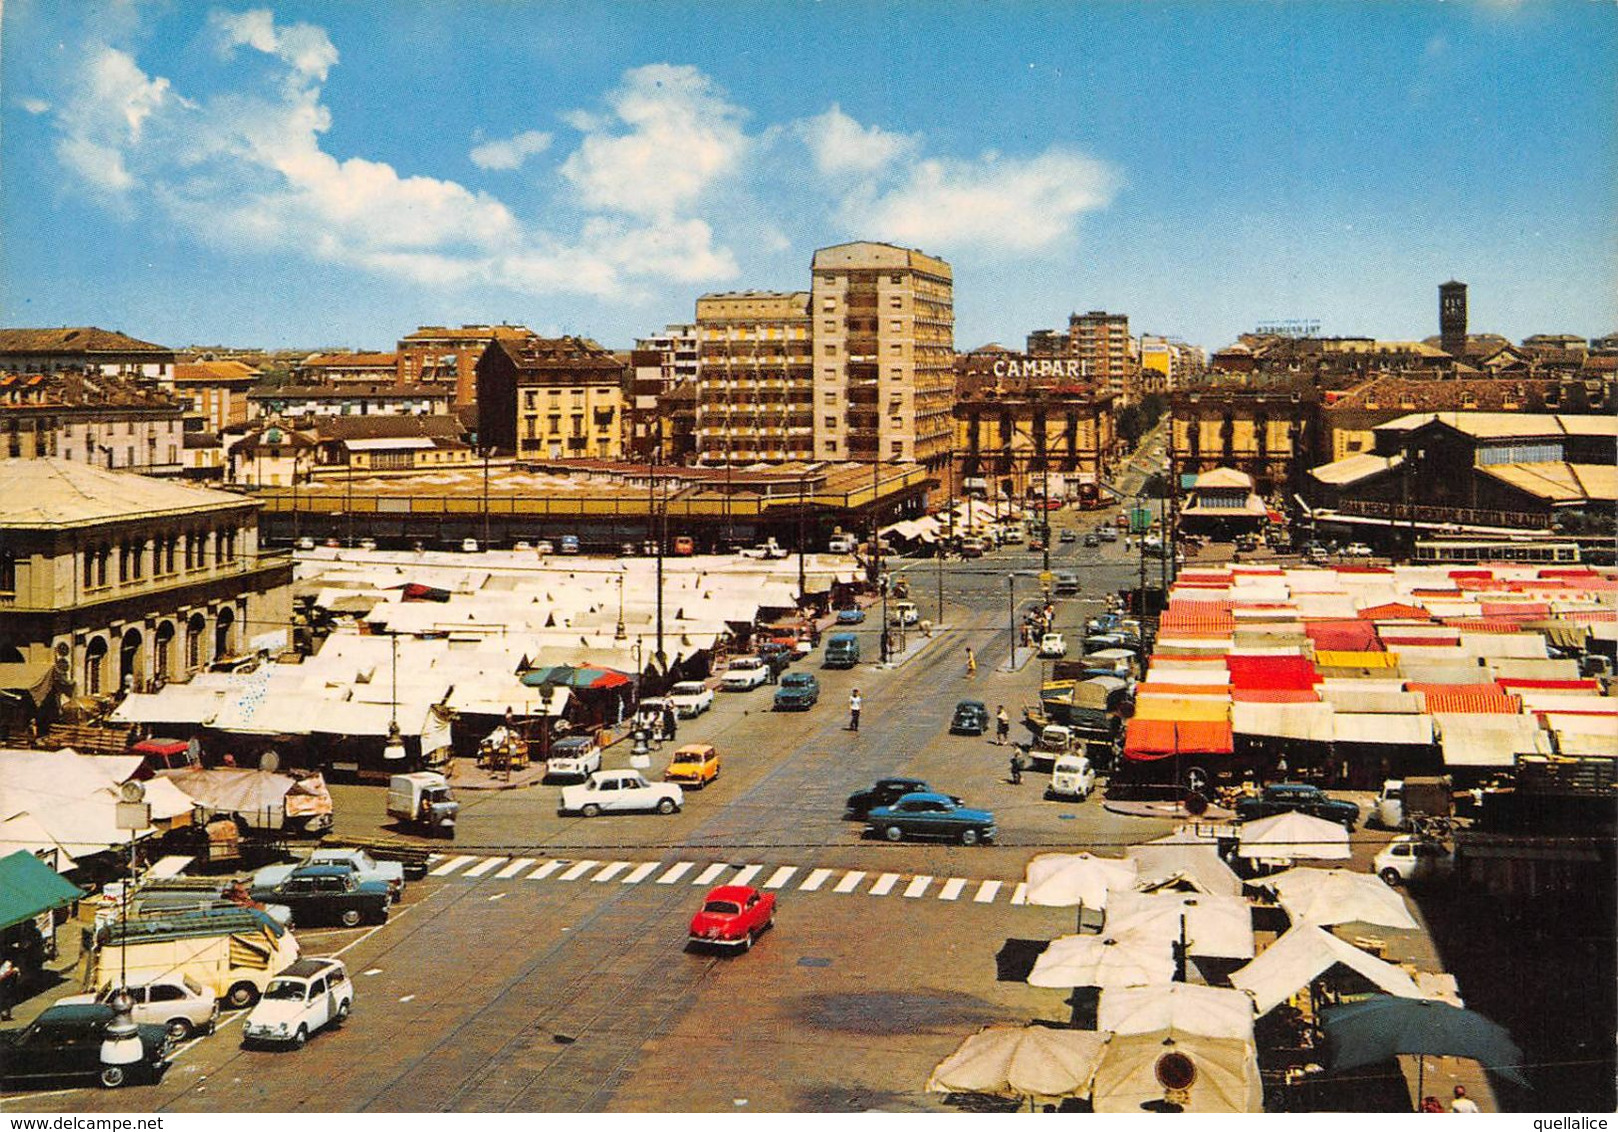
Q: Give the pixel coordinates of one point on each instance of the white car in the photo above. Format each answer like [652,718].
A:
[1072,776]
[620,791]
[905,613]
[544,547]
[744,674]
[1011,535]
[1409,859]
[469,545]
[178,1003]
[307,996]
[691,698]
[841,544]
[1052,646]
[1357,550]
[577,756]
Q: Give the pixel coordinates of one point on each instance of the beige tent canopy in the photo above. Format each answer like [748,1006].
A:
[1305,953]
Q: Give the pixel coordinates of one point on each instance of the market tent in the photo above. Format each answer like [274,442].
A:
[24,833]
[1392,730]
[1185,1008]
[1220,927]
[1465,698]
[1489,740]
[1271,672]
[1371,701]
[1205,709]
[1305,953]
[1227,1075]
[1338,896]
[1104,961]
[1161,738]
[173,704]
[1196,862]
[31,680]
[1038,1062]
[1306,722]
[29,887]
[1583,705]
[1063,880]
[1293,836]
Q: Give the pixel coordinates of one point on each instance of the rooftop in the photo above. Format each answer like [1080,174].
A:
[73,340]
[51,492]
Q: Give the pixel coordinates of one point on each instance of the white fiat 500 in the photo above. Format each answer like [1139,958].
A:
[309,995]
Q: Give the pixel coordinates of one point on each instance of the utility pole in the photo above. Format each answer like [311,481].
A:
[876,554]
[1011,615]
[802,471]
[487,452]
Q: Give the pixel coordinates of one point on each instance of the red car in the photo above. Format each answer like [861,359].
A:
[733,915]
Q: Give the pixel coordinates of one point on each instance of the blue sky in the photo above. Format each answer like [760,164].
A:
[338,173]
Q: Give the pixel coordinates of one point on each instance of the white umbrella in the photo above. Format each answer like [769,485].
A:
[1194,862]
[1218,926]
[1293,836]
[1022,1061]
[1104,961]
[1062,880]
[1302,955]
[1184,1008]
[1224,1074]
[1338,896]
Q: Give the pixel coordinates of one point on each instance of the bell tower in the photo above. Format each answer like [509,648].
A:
[1452,318]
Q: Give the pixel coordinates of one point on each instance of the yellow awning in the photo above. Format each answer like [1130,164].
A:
[1200,709]
[1343,658]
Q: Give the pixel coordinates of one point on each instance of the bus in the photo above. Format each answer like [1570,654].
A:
[1472,551]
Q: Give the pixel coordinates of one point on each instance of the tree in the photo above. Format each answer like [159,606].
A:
[1151,408]
[1130,425]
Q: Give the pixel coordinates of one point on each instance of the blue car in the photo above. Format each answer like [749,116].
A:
[850,616]
[929,815]
[799,691]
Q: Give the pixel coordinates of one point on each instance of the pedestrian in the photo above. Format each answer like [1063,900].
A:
[1002,726]
[10,977]
[971,663]
[671,720]
[1016,768]
[1431,1104]
[854,705]
[1461,1103]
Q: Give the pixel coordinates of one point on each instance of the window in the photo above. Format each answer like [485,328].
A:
[897,448]
[896,279]
[8,571]
[831,422]
[895,325]
[831,446]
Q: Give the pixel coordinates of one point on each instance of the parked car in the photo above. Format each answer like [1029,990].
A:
[306,543]
[363,865]
[971,718]
[1285,797]
[469,545]
[1090,540]
[329,895]
[905,613]
[744,674]
[1072,776]
[851,616]
[972,548]
[931,816]
[1011,535]
[306,997]
[885,791]
[799,691]
[65,1042]
[1070,535]
[842,651]
[1066,584]
[544,546]
[690,698]
[684,546]
[1052,646]
[732,915]
[570,544]
[777,655]
[695,765]
[841,544]
[576,757]
[1408,859]
[1107,534]
[619,791]
[178,1003]
[1357,550]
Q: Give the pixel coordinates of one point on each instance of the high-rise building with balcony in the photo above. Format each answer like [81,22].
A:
[884,353]
[754,378]
[1102,343]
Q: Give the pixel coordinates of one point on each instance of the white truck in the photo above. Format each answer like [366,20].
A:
[232,953]
[423,799]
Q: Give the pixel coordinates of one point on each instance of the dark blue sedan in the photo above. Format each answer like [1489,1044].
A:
[799,691]
[850,616]
[931,816]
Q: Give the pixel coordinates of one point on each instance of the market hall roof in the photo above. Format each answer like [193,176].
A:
[1506,426]
[1559,482]
[51,492]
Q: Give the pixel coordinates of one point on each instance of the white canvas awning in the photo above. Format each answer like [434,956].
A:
[1292,836]
[1489,739]
[1304,722]
[1217,926]
[1372,701]
[1185,1008]
[1338,896]
[1305,953]
[1396,730]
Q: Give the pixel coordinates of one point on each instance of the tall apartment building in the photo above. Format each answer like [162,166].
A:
[755,380]
[678,351]
[1101,341]
[1168,363]
[884,354]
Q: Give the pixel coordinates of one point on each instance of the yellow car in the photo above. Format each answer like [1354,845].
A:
[694,765]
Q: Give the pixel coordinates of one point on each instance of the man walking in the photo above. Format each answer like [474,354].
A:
[1002,726]
[854,705]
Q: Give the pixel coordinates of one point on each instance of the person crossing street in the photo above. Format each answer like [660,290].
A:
[854,705]
[1002,726]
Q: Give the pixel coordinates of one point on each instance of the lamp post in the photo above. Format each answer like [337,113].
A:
[619,634]
[1011,615]
[876,554]
[393,749]
[487,452]
[1140,505]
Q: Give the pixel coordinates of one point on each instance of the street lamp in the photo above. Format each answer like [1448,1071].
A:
[619,634]
[393,750]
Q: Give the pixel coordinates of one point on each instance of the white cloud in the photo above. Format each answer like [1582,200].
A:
[838,144]
[35,105]
[107,115]
[305,48]
[510,153]
[682,137]
[994,204]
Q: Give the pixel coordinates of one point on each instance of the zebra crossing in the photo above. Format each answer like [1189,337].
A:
[796,878]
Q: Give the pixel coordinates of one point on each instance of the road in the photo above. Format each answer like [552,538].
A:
[543,967]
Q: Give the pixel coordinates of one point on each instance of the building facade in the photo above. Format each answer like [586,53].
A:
[1030,426]
[551,398]
[1268,433]
[338,369]
[1105,350]
[216,391]
[348,399]
[87,350]
[883,330]
[755,384]
[107,420]
[120,580]
[448,356]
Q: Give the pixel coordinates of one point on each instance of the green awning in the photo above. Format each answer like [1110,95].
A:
[28,887]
